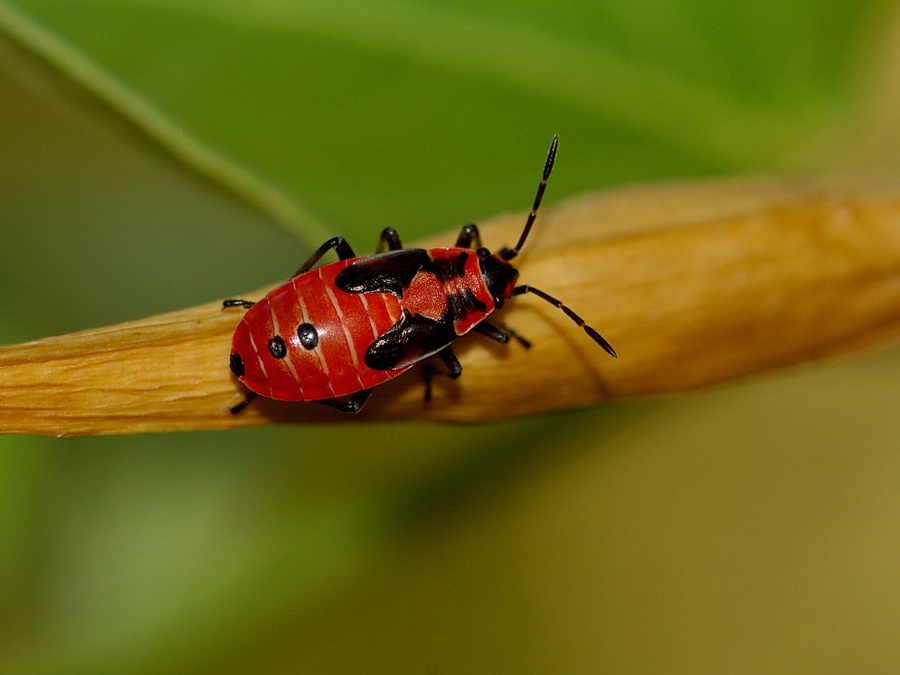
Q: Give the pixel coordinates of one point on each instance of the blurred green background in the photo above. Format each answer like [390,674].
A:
[754,527]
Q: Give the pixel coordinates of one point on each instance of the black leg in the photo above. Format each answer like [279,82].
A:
[427,373]
[496,333]
[469,237]
[500,334]
[246,304]
[243,404]
[352,405]
[389,240]
[454,369]
[339,244]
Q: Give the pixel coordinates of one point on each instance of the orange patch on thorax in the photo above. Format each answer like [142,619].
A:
[426,296]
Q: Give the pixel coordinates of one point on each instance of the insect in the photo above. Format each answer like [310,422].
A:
[333,333]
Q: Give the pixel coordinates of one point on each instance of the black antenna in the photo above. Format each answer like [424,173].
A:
[595,336]
[548,167]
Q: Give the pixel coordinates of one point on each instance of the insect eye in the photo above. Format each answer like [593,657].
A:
[277,348]
[308,335]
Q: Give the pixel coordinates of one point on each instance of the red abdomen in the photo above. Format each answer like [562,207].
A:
[326,358]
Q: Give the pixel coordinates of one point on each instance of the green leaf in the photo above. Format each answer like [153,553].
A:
[41,62]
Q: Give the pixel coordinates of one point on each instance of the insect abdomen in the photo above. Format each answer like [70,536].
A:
[324,332]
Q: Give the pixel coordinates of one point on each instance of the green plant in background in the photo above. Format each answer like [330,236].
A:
[731,528]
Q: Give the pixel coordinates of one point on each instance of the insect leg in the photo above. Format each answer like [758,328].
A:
[339,244]
[500,334]
[469,237]
[243,404]
[390,239]
[246,304]
[454,369]
[352,405]
[427,372]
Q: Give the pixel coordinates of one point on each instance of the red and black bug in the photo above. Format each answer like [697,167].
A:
[333,333]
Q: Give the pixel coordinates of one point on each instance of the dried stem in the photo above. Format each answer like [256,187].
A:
[692,283]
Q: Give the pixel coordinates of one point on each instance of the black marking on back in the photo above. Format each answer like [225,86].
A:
[389,272]
[461,304]
[451,268]
[409,340]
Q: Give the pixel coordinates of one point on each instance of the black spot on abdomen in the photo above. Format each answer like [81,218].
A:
[277,348]
[309,336]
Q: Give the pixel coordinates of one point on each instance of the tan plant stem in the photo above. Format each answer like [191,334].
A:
[692,283]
